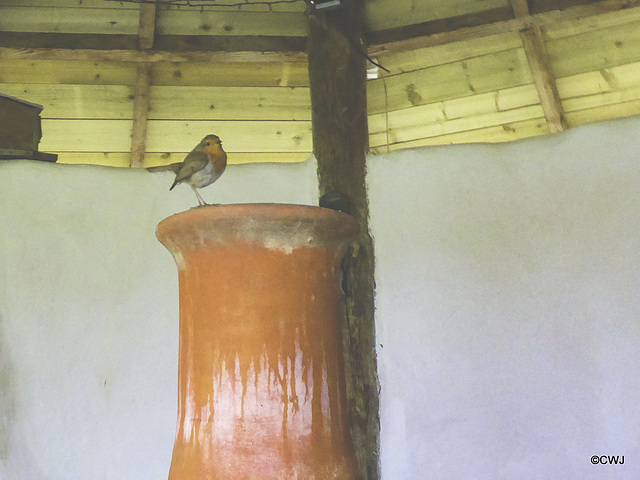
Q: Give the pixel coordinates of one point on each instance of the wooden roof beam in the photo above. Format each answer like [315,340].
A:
[147,26]
[543,79]
[541,70]
[146,32]
[140,115]
[520,8]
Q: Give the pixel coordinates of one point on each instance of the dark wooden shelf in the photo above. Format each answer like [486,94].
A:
[7,154]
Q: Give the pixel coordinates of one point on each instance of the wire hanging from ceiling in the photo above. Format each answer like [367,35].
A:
[209,3]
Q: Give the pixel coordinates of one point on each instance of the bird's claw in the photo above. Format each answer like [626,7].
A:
[207,205]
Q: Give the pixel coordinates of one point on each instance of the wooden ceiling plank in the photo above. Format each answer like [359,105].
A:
[478,106]
[291,74]
[183,74]
[228,43]
[112,102]
[122,159]
[441,38]
[419,59]
[498,133]
[617,97]
[146,33]
[151,56]
[299,7]
[170,43]
[230,103]
[238,136]
[386,15]
[595,50]
[465,78]
[621,77]
[498,27]
[585,25]
[604,112]
[69,20]
[185,21]
[74,4]
[86,135]
[436,129]
[175,136]
[238,22]
[76,101]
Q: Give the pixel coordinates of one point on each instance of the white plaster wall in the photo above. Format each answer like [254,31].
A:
[508,307]
[89,313]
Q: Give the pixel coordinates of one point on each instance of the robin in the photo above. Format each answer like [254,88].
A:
[201,167]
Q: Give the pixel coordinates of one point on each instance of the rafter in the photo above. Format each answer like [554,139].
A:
[147,25]
[543,79]
[541,73]
[520,8]
[140,113]
[146,31]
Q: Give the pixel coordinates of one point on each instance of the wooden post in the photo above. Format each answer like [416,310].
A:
[337,75]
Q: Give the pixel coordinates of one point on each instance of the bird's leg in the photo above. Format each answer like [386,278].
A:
[201,201]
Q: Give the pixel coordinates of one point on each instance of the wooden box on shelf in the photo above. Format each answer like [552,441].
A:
[20,130]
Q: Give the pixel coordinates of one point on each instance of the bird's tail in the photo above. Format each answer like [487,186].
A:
[173,167]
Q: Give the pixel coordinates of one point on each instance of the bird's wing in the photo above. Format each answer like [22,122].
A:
[194,162]
[174,167]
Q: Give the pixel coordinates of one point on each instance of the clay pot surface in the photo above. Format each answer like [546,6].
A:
[261,371]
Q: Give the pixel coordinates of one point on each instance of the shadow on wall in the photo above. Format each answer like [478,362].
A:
[14,449]
[7,402]
[7,407]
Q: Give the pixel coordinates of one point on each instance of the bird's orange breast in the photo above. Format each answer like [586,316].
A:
[217,157]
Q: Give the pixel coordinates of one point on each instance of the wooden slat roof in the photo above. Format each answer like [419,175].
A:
[459,71]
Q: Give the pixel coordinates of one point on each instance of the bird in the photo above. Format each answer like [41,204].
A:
[201,167]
